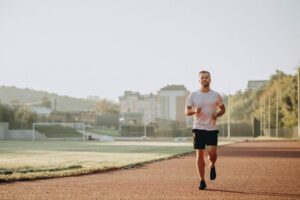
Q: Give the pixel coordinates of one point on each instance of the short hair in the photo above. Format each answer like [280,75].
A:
[204,72]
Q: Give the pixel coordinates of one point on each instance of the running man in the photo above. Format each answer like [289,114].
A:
[206,106]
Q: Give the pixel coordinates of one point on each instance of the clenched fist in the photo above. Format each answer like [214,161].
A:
[198,110]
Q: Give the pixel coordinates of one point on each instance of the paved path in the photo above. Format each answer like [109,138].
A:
[248,170]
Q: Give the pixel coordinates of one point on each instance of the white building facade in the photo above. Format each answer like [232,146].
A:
[164,108]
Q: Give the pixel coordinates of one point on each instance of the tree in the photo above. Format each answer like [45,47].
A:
[25,117]
[46,102]
[105,106]
[6,114]
[249,104]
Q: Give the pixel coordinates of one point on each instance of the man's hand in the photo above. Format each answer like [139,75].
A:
[215,116]
[189,111]
[198,110]
[220,113]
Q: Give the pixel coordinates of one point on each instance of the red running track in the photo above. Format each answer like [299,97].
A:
[247,170]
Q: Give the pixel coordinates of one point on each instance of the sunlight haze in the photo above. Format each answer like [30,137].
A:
[82,48]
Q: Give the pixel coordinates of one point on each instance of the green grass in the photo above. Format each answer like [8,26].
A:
[25,160]
[57,131]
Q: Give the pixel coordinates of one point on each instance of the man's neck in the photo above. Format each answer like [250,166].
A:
[205,89]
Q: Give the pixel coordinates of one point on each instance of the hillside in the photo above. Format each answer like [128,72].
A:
[25,96]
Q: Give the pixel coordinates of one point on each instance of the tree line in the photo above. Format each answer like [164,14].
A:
[20,116]
[277,98]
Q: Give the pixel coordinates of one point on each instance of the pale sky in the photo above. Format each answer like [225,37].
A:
[93,47]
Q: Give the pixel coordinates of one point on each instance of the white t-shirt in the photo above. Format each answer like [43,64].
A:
[208,102]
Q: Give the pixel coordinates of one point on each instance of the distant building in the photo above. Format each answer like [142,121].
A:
[172,100]
[137,114]
[40,111]
[134,102]
[131,102]
[150,108]
[93,98]
[163,111]
[256,84]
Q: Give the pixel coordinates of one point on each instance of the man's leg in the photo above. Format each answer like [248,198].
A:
[212,156]
[200,163]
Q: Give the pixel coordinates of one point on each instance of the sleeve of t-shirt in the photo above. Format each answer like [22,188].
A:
[219,100]
[189,101]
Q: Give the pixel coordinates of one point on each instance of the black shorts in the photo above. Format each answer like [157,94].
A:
[203,138]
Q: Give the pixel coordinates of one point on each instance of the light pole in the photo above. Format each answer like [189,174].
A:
[277,91]
[33,131]
[264,117]
[145,127]
[54,118]
[269,115]
[261,118]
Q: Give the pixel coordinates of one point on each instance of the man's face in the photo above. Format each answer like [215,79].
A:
[204,79]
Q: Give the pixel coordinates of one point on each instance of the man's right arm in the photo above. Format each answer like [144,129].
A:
[189,111]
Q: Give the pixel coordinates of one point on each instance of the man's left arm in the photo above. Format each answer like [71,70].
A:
[222,110]
[220,113]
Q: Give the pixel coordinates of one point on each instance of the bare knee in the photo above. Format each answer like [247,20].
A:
[212,154]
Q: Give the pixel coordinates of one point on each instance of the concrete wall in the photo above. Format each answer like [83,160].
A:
[3,130]
[23,135]
[6,134]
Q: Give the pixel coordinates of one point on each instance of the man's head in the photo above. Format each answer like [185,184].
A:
[204,78]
